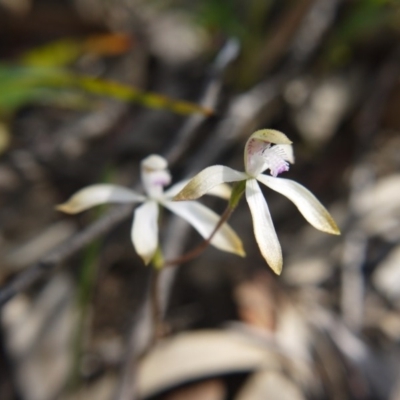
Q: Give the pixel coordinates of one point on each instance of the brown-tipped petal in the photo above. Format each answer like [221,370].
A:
[313,211]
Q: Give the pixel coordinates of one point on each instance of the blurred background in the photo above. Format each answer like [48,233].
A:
[88,88]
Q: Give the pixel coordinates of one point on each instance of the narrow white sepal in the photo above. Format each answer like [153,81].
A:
[144,232]
[313,211]
[94,195]
[223,190]
[204,221]
[264,230]
[208,179]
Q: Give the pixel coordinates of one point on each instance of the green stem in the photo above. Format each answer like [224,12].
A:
[87,280]
[86,285]
[158,329]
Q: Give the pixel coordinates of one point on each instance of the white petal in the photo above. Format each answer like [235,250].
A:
[155,175]
[313,211]
[208,179]
[154,182]
[286,150]
[264,230]
[99,194]
[256,164]
[257,145]
[204,221]
[145,230]
[275,161]
[223,190]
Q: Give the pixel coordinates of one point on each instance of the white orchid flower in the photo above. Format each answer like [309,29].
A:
[271,150]
[144,233]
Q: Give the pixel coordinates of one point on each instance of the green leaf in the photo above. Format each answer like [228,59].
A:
[20,85]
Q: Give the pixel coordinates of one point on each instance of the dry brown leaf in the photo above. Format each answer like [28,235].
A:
[197,355]
[209,390]
[270,385]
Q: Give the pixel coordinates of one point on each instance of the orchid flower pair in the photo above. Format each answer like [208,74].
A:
[265,150]
[271,150]
[144,232]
